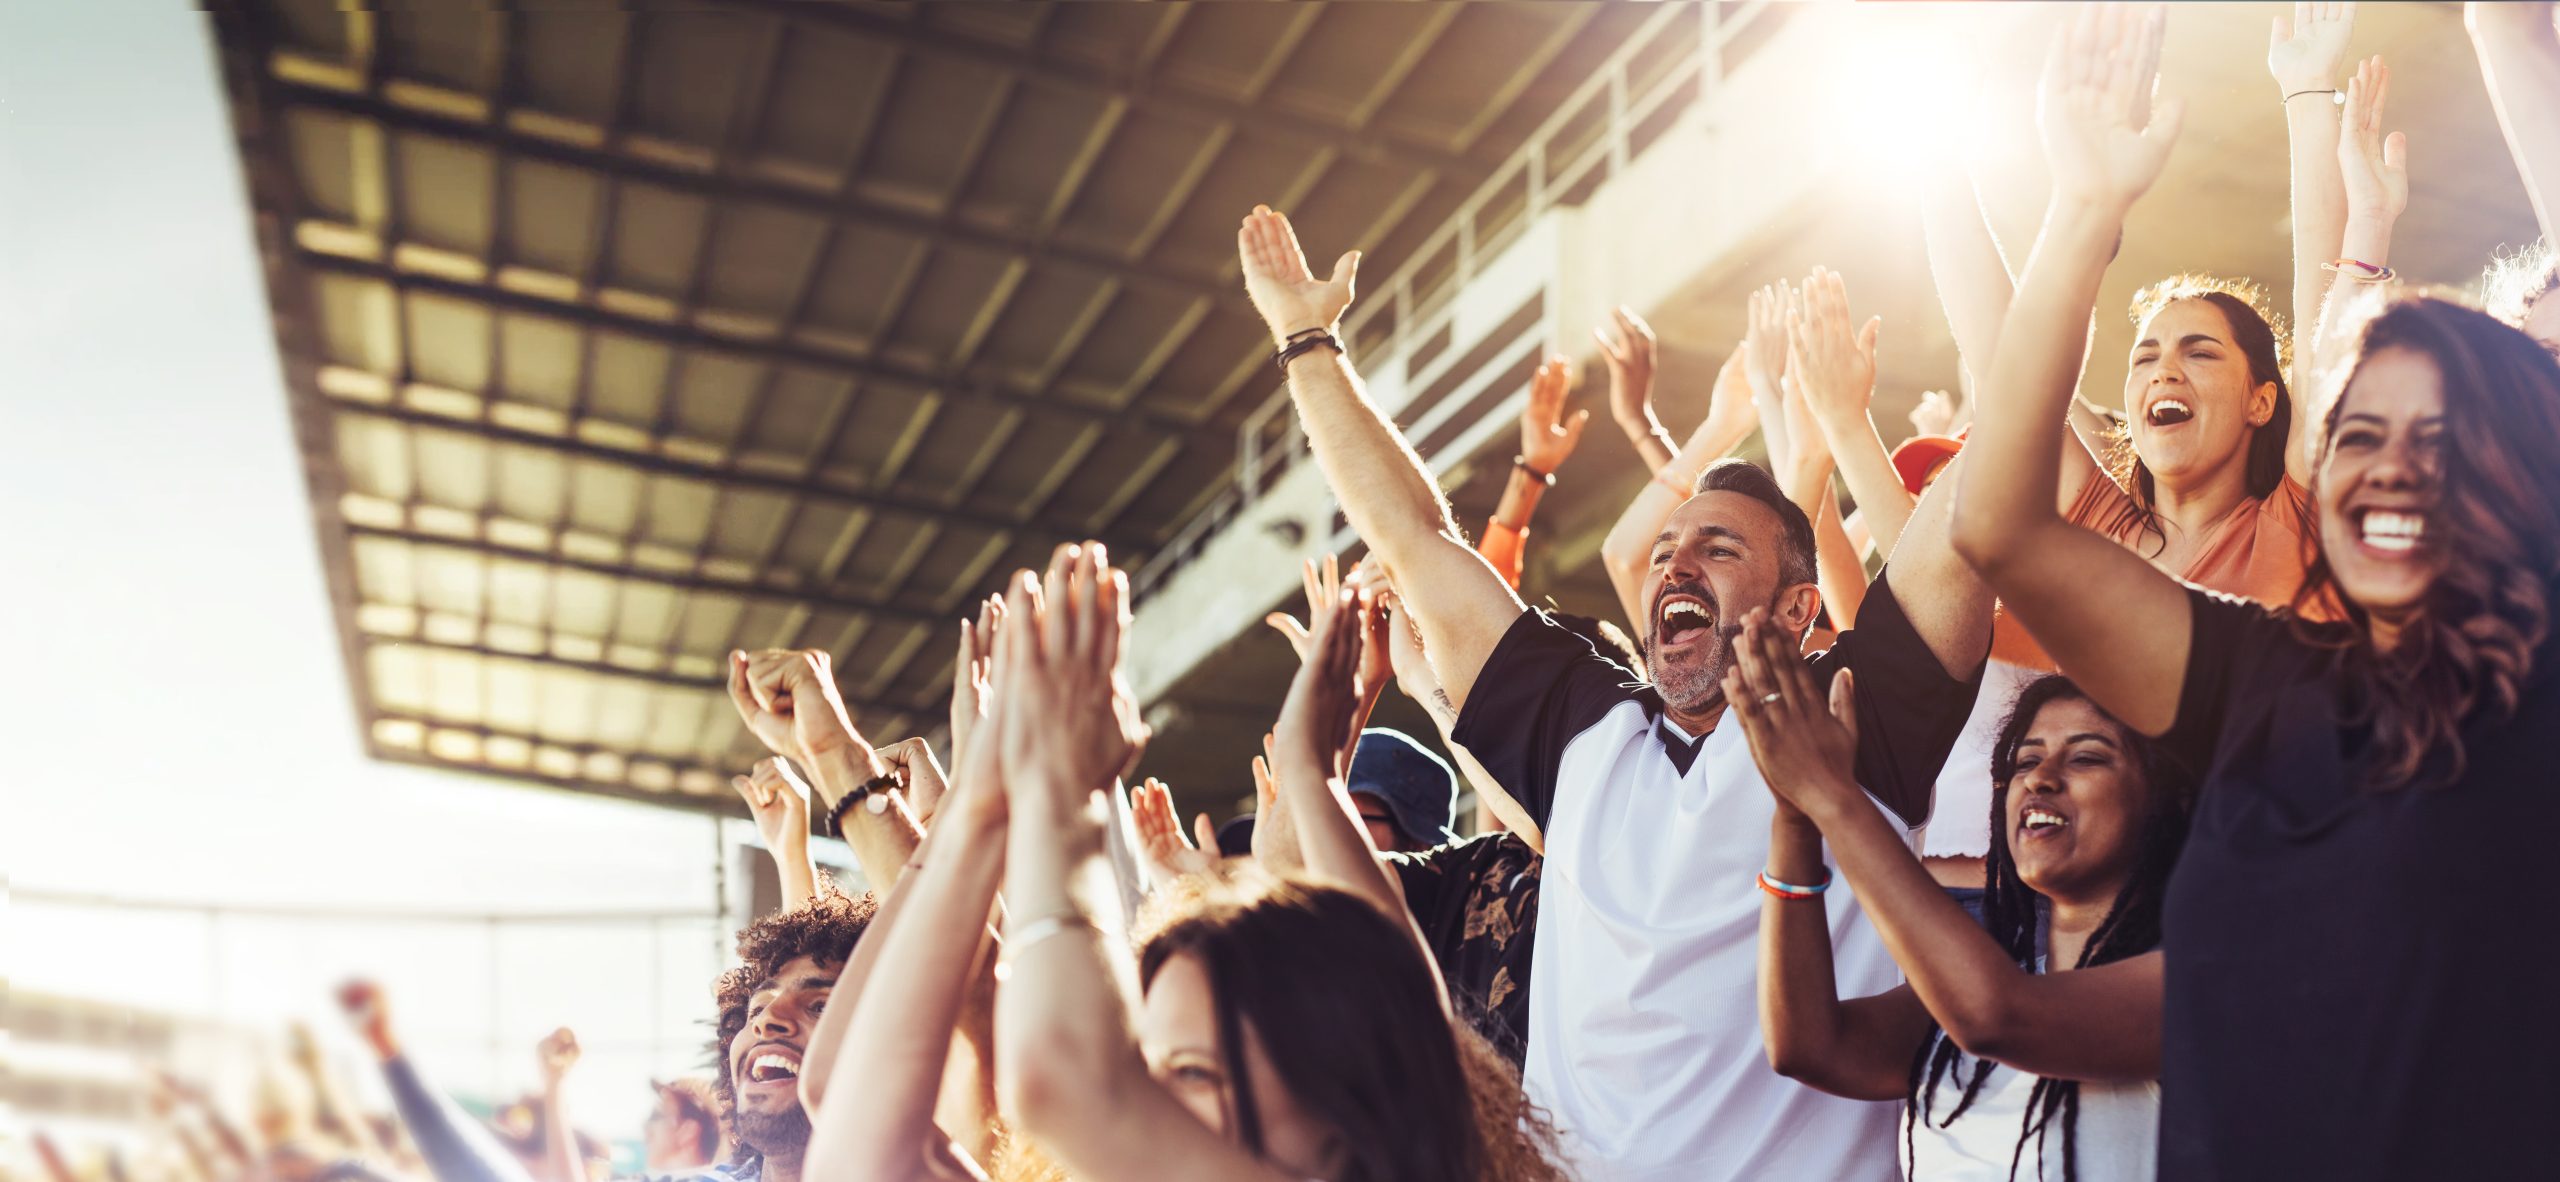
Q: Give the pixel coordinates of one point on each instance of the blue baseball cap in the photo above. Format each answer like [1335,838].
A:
[1420,791]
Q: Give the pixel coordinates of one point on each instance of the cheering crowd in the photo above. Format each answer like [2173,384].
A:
[2164,805]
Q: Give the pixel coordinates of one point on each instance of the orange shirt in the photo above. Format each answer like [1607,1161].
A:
[1504,547]
[2259,551]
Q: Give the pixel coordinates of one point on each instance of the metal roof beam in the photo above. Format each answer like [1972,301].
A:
[713,683]
[747,184]
[729,477]
[1110,81]
[764,591]
[687,336]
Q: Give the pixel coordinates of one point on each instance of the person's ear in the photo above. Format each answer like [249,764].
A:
[1796,608]
[2262,404]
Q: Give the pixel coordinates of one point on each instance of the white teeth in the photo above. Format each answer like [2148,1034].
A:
[2161,410]
[1684,607]
[780,1066]
[2393,532]
[2042,819]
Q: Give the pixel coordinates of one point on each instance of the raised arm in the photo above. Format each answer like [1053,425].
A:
[2126,647]
[2101,1023]
[2304,52]
[1628,548]
[1972,277]
[1833,366]
[789,701]
[1314,727]
[2376,172]
[555,1055]
[2519,48]
[456,1147]
[780,804]
[1495,809]
[1072,1076]
[1385,488]
[915,977]
[1627,344]
[1839,569]
[1547,438]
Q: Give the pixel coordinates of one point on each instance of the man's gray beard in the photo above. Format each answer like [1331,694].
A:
[783,1134]
[1692,689]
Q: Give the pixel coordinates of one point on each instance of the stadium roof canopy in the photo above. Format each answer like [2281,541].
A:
[617,339]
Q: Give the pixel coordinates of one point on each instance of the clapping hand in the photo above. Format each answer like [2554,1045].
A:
[1320,721]
[1628,345]
[1547,437]
[1833,365]
[1289,296]
[1937,413]
[1805,742]
[1764,342]
[2103,137]
[1061,647]
[2374,166]
[1170,854]
[970,674]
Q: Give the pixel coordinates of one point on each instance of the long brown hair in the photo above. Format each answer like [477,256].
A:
[2497,521]
[1348,1013]
[2261,341]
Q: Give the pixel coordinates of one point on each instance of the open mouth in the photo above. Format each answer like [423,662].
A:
[2391,531]
[1682,618]
[773,1067]
[2038,821]
[2169,412]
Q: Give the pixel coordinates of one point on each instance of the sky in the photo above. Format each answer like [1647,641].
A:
[177,721]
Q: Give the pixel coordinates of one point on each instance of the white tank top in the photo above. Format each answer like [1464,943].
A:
[2117,1139]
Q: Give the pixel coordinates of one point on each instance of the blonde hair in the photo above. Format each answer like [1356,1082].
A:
[2515,282]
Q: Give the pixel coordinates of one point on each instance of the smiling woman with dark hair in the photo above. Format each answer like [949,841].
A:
[2344,997]
[2006,1043]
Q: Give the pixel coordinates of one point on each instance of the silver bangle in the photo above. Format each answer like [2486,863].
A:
[1020,939]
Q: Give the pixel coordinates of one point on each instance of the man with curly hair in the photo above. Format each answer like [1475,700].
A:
[769,1005]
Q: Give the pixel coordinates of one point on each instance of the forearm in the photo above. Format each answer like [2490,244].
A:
[1801,1014]
[2519,52]
[2319,198]
[1867,468]
[1065,1052]
[1520,496]
[455,1147]
[1973,281]
[798,872]
[1652,442]
[882,842]
[2013,466]
[898,1040]
[1840,572]
[559,1144]
[1959,973]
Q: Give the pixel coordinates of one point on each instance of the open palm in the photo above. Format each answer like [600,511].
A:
[2092,104]
[1289,296]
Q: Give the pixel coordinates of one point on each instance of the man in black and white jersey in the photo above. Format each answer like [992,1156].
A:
[1644,1038]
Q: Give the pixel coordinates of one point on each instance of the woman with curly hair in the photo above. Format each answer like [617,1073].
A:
[2343,994]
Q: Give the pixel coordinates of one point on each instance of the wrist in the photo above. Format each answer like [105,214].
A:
[1283,330]
[840,765]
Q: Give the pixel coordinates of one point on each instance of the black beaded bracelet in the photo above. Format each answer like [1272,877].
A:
[2314,90]
[1545,478]
[1302,343]
[886,781]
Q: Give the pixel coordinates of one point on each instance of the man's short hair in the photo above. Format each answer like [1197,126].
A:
[1795,530]
[692,1095]
[823,929]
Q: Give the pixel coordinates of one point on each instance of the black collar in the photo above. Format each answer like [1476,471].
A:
[1683,752]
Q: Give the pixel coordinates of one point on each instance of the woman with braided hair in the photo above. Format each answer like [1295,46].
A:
[2038,1038]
